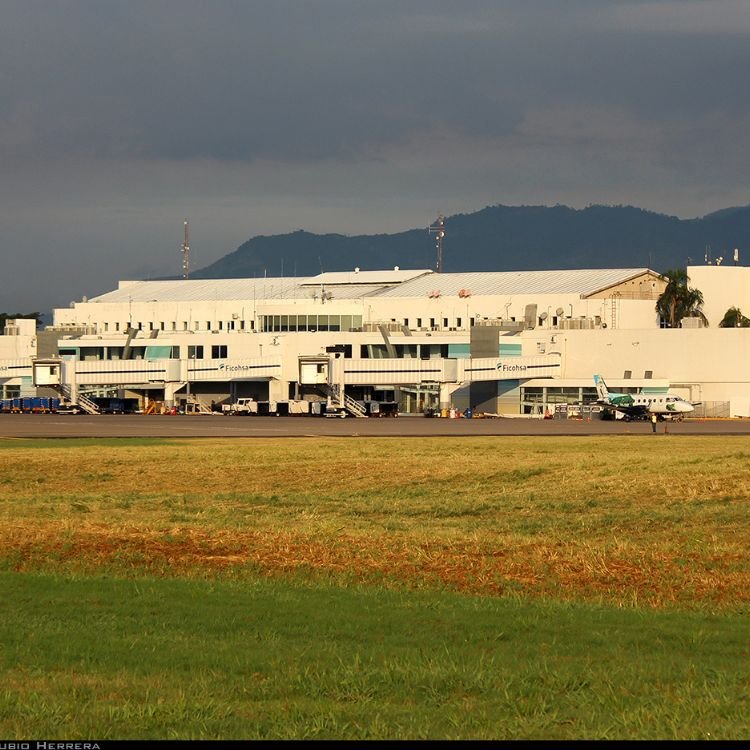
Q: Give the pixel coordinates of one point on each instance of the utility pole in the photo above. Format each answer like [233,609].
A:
[186,253]
[438,228]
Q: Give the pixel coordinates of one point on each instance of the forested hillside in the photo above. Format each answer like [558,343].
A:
[500,238]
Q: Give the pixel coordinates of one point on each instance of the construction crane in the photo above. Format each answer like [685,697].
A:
[438,228]
[186,253]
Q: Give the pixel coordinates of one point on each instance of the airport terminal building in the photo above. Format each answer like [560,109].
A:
[402,341]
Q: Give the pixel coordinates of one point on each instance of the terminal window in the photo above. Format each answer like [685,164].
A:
[310,323]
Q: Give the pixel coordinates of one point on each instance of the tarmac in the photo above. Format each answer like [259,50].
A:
[34,426]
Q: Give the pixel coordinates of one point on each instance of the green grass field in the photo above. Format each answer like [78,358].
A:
[375,588]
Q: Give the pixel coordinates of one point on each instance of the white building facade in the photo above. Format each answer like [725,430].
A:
[414,338]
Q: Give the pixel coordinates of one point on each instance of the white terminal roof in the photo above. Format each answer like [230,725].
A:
[515,282]
[343,285]
[202,290]
[357,284]
[396,276]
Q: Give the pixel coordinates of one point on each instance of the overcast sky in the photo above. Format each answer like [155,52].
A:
[119,118]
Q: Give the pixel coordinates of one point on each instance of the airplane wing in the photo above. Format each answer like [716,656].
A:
[640,409]
[633,411]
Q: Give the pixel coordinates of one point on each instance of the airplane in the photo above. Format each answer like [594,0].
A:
[642,405]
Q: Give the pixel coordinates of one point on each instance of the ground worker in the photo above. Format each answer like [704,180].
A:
[653,423]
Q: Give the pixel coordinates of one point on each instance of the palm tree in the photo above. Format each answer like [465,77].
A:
[678,300]
[733,318]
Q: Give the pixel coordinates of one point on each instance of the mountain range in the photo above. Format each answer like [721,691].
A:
[504,238]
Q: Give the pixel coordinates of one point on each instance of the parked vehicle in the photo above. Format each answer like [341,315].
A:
[29,405]
[242,406]
[116,405]
[69,409]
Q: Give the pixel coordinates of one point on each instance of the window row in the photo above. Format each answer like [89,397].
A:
[281,323]
[432,324]
[404,351]
[185,325]
[99,353]
[218,351]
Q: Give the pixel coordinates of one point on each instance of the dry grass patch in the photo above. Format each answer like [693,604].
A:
[630,520]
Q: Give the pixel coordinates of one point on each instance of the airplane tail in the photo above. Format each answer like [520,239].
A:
[601,388]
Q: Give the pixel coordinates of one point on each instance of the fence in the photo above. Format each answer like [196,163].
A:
[717,409]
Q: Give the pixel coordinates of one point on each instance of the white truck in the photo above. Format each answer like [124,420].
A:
[243,406]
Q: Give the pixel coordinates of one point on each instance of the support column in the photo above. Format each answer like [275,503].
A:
[170,390]
[484,341]
[446,392]
[69,379]
[278,390]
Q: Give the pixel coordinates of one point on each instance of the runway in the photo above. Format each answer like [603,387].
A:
[21,426]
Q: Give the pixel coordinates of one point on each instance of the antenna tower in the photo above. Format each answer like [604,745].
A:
[186,253]
[438,228]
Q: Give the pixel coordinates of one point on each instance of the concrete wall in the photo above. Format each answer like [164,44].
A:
[722,287]
[647,285]
[484,342]
[421,312]
[628,313]
[703,364]
[713,364]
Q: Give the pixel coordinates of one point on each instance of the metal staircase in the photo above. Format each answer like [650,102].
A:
[340,406]
[196,406]
[354,407]
[82,400]
[87,404]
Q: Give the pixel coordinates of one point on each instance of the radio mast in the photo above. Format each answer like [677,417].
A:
[186,253]
[439,229]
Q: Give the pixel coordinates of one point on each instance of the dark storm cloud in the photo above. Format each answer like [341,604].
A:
[283,80]
[234,80]
[289,80]
[120,117]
